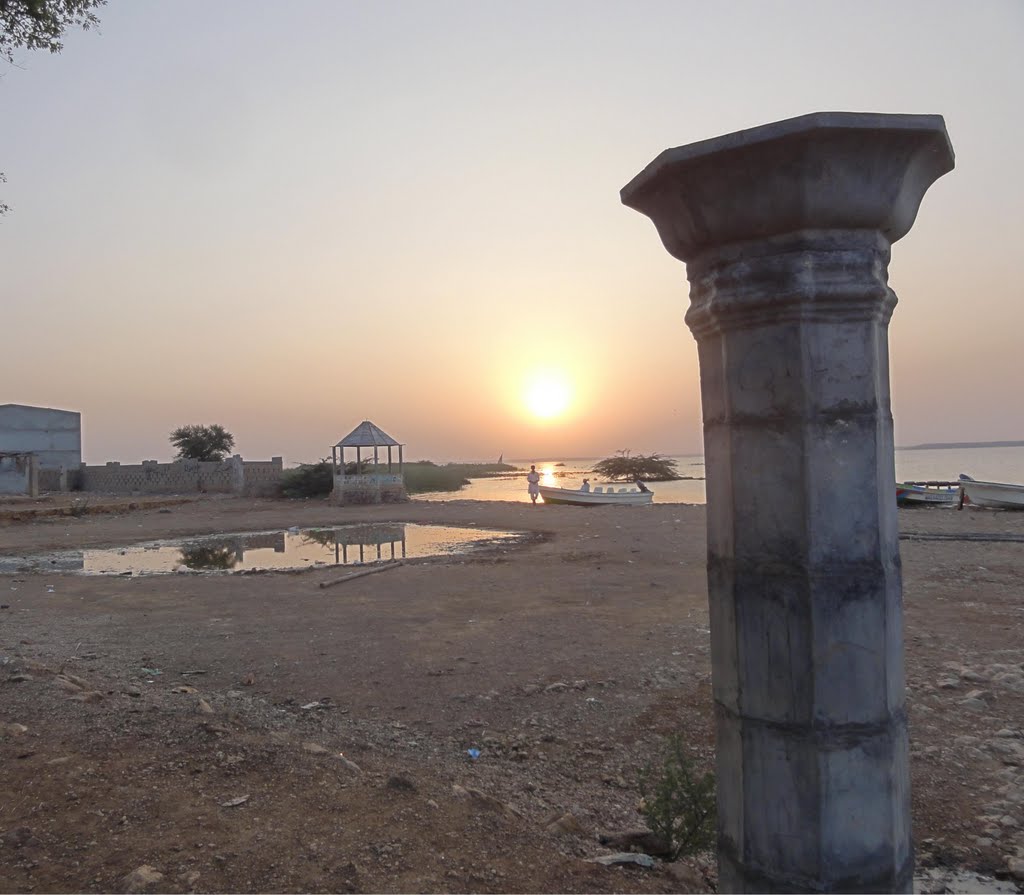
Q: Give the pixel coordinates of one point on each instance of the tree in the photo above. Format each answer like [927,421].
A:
[202,442]
[40,24]
[626,468]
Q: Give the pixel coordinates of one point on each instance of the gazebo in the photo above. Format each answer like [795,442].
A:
[375,486]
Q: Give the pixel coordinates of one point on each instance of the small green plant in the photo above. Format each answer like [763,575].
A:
[308,480]
[678,801]
[79,507]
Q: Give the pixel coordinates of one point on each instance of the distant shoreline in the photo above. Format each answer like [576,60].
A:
[948,445]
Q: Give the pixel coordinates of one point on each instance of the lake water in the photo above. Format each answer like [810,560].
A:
[995,464]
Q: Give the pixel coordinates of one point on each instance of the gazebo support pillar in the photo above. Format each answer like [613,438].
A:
[786,231]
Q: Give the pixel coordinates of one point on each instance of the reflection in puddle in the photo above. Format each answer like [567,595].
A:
[292,549]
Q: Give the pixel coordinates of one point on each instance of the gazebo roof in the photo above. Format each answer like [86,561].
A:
[366,434]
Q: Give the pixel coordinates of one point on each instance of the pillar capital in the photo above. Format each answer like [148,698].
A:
[823,171]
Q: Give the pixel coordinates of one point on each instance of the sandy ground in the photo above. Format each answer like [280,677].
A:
[107,766]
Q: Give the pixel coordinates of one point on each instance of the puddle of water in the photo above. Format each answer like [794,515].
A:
[282,550]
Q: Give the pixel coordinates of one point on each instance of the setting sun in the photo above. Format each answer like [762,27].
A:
[547,395]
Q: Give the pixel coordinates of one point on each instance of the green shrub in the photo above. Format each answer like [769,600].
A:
[308,480]
[678,802]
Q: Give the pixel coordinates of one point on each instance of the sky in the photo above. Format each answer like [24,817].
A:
[288,218]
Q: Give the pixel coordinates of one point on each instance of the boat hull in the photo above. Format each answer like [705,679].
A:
[993,494]
[918,495]
[569,497]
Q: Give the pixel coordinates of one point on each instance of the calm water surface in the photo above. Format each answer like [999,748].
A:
[986,464]
[281,550]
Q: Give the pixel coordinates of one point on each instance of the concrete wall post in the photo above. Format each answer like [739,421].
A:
[237,473]
[786,230]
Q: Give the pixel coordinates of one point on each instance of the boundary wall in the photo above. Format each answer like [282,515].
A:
[253,478]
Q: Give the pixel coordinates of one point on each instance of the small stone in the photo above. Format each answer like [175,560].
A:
[141,879]
[1016,867]
[349,765]
[530,690]
[982,841]
[579,685]
[213,728]
[90,696]
[77,681]
[314,749]
[974,705]
[134,692]
[686,878]
[556,687]
[468,793]
[19,837]
[948,683]
[627,857]
[563,824]
[184,689]
[10,729]
[432,804]
[400,783]
[66,685]
[203,707]
[249,680]
[234,803]
[1006,732]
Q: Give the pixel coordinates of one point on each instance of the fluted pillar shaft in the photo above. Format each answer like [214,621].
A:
[786,232]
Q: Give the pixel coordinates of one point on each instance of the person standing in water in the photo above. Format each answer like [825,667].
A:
[533,482]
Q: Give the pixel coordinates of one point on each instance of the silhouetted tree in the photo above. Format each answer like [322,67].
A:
[202,442]
[626,467]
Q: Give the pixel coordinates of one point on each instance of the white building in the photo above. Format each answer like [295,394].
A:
[54,436]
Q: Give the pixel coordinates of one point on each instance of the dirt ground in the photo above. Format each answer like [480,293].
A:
[258,733]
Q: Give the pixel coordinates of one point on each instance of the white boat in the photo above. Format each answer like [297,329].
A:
[992,494]
[927,493]
[599,497]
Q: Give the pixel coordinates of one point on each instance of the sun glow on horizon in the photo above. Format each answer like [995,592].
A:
[547,394]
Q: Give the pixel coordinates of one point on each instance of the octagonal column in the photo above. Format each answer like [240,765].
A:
[785,230]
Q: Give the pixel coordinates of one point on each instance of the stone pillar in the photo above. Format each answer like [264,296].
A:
[785,230]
